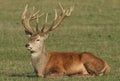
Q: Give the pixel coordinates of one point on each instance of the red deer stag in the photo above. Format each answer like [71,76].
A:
[57,64]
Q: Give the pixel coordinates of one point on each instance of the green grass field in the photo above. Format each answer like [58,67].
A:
[94,26]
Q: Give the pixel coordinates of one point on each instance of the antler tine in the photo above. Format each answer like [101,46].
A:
[41,15]
[44,25]
[58,19]
[49,29]
[68,12]
[56,16]
[63,11]
[33,14]
[25,21]
[55,19]
[24,12]
[37,22]
[46,18]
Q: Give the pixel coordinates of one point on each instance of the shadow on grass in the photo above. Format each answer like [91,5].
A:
[30,75]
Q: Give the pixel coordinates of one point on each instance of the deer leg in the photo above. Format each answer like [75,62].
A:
[55,72]
[55,75]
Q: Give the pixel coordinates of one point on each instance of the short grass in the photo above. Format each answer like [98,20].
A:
[94,26]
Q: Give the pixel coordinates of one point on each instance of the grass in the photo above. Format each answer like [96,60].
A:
[93,26]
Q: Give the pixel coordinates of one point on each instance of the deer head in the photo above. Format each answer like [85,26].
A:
[37,38]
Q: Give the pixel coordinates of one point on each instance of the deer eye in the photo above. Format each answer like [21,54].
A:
[38,40]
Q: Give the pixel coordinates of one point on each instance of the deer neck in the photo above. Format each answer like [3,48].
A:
[39,59]
[39,53]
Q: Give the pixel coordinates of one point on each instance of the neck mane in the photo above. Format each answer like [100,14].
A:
[39,53]
[39,59]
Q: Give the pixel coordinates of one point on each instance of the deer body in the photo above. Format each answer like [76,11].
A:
[58,64]
[64,64]
[55,63]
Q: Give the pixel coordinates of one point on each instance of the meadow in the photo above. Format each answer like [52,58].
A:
[94,26]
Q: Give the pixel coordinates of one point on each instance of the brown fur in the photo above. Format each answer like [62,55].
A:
[94,64]
[66,64]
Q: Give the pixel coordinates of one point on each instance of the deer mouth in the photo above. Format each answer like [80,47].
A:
[30,49]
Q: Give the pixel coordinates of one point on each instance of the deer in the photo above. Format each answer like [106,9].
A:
[57,64]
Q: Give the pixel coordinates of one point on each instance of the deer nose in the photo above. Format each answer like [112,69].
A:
[27,45]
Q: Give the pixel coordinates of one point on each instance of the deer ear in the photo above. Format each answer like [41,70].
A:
[28,34]
[46,36]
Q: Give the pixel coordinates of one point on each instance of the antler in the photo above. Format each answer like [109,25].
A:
[57,20]
[26,21]
[34,15]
